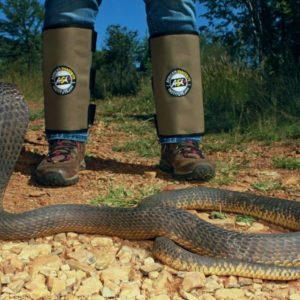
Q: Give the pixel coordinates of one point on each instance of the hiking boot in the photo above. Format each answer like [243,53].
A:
[62,164]
[186,161]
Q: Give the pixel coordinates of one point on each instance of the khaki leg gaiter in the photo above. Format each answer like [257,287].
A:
[177,84]
[67,64]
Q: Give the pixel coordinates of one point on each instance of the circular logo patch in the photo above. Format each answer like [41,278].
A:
[63,80]
[178,83]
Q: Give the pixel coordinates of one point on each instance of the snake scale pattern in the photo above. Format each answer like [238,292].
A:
[182,240]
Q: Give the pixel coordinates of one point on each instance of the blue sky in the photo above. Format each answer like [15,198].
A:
[129,13]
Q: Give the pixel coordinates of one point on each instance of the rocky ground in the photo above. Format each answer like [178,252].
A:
[79,266]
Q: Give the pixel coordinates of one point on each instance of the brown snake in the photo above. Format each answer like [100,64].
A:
[219,251]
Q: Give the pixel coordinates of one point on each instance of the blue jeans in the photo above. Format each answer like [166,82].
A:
[163,17]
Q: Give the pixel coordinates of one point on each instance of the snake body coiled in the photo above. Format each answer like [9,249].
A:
[162,216]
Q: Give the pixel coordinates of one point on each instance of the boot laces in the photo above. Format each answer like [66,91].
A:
[189,149]
[61,150]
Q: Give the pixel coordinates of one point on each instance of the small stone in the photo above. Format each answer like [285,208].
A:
[207,297]
[147,284]
[37,281]
[60,237]
[161,282]
[256,286]
[14,247]
[150,174]
[151,267]
[291,181]
[244,281]
[102,242]
[130,290]
[39,293]
[22,276]
[46,264]
[56,285]
[153,275]
[242,224]
[16,286]
[230,294]
[140,253]
[74,264]
[193,280]
[72,235]
[149,260]
[37,194]
[97,297]
[231,282]
[104,259]
[114,287]
[17,263]
[28,252]
[115,274]
[79,275]
[211,285]
[70,281]
[65,267]
[108,293]
[294,297]
[82,256]
[5,278]
[125,255]
[188,296]
[160,297]
[89,287]
[280,294]
[257,227]
[71,297]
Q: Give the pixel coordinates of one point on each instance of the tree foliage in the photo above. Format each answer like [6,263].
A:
[117,64]
[259,31]
[20,33]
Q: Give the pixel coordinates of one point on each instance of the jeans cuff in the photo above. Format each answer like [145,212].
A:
[179,139]
[78,137]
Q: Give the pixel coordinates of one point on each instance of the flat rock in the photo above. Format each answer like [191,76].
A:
[193,280]
[102,242]
[89,286]
[160,297]
[74,264]
[230,294]
[115,274]
[46,263]
[14,287]
[56,285]
[130,290]
[151,267]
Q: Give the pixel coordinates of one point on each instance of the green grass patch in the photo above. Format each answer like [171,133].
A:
[266,186]
[121,196]
[36,127]
[289,163]
[143,147]
[218,215]
[223,142]
[36,115]
[245,219]
[227,171]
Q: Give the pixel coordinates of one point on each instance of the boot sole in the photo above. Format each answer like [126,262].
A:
[201,173]
[56,179]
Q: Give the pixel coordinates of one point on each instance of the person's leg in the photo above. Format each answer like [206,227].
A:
[177,87]
[68,43]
